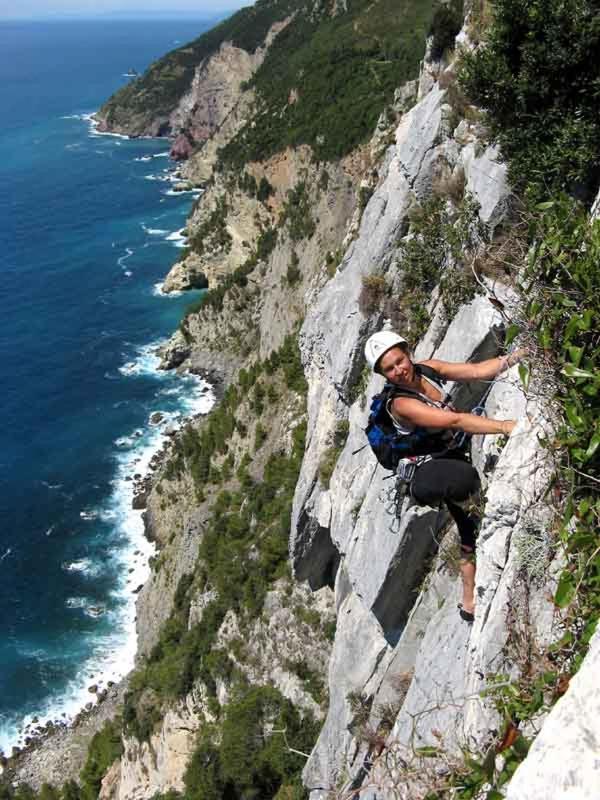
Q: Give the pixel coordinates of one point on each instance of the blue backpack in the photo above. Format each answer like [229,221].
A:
[389,445]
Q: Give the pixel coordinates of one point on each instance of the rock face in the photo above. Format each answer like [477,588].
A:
[154,767]
[213,94]
[419,657]
[174,352]
[182,148]
[405,672]
[184,275]
[563,760]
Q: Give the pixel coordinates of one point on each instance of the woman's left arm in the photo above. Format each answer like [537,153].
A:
[482,370]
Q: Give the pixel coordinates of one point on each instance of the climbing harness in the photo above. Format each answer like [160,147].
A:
[389,442]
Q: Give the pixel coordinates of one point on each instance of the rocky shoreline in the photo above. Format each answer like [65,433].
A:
[53,752]
[56,751]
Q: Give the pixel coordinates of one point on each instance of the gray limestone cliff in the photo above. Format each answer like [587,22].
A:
[410,685]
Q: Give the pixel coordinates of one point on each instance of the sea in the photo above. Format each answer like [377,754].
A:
[89,226]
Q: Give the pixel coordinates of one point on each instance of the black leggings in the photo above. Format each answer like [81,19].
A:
[452,481]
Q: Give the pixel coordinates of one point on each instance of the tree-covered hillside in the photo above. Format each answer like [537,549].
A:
[157,91]
[325,79]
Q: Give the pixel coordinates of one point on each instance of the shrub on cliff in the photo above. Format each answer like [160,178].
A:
[537,76]
[445,25]
[104,749]
[253,759]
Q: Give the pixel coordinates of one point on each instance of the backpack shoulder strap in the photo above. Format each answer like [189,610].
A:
[431,373]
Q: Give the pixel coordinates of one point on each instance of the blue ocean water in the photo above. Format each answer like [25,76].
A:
[84,239]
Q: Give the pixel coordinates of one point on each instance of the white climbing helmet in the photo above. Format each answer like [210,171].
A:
[380,343]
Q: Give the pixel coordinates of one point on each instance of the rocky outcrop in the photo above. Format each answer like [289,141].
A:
[257,317]
[563,760]
[152,106]
[150,768]
[174,352]
[420,657]
[185,275]
[182,148]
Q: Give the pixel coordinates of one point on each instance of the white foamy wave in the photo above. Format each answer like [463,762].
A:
[89,515]
[114,639]
[129,441]
[174,391]
[143,158]
[161,155]
[162,177]
[176,193]
[178,238]
[131,368]
[94,611]
[94,132]
[83,565]
[93,124]
[153,231]
[76,602]
[123,258]
[157,291]
[146,362]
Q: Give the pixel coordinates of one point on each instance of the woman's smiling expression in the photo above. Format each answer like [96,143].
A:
[396,366]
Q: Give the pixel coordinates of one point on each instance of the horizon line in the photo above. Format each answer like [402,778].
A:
[132,14]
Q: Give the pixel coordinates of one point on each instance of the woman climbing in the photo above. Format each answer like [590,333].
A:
[429,429]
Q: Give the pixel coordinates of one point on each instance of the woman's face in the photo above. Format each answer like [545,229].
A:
[396,366]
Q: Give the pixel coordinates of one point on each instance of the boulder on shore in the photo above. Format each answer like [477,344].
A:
[182,147]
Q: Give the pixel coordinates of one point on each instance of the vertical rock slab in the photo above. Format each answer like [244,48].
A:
[564,760]
[358,647]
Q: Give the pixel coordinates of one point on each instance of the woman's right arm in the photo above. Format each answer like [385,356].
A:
[425,416]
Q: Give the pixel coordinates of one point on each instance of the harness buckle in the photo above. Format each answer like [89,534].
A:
[405,471]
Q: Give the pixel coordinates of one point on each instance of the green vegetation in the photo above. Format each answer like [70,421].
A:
[296,213]
[332,453]
[440,251]
[262,191]
[244,544]
[293,274]
[156,93]
[213,232]
[373,291]
[537,77]
[313,682]
[104,749]
[214,298]
[445,25]
[326,77]
[563,282]
[252,758]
